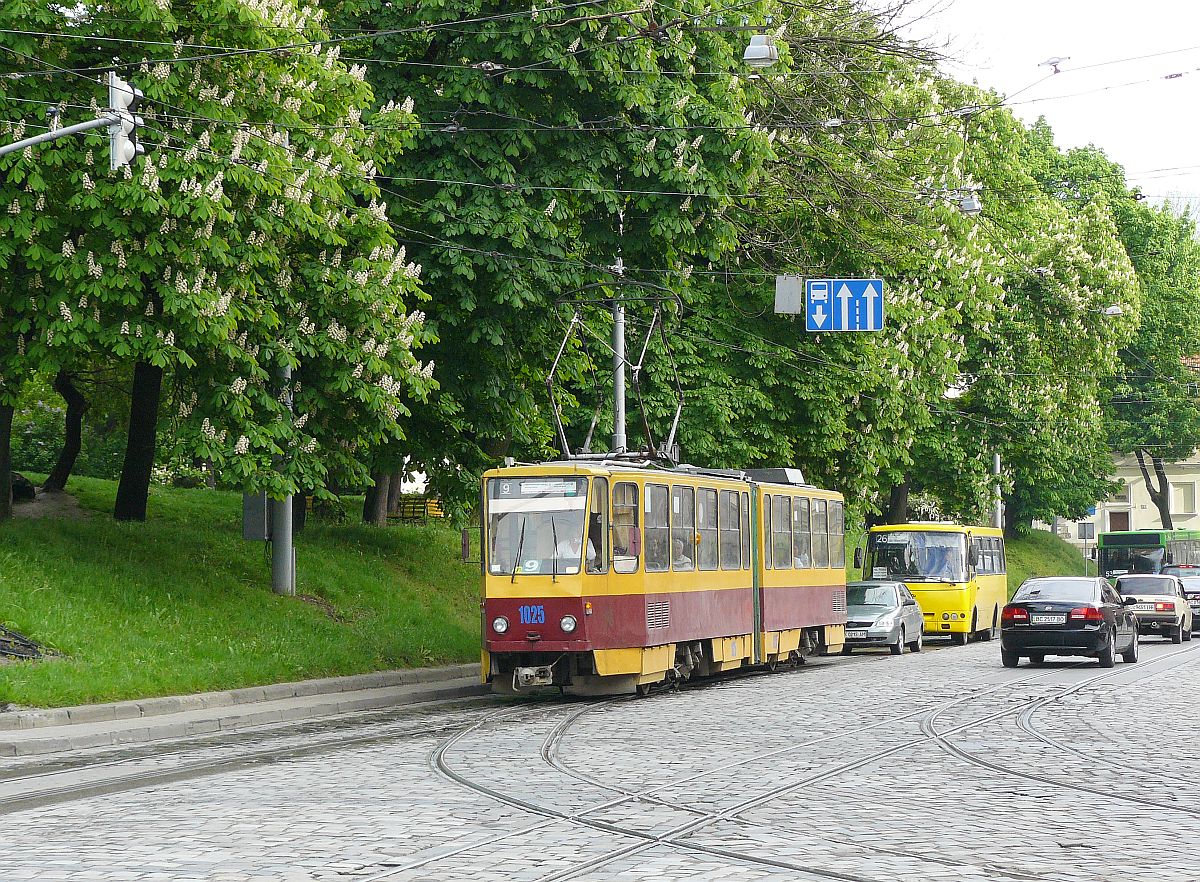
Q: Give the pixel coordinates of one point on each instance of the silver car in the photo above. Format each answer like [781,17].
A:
[880,613]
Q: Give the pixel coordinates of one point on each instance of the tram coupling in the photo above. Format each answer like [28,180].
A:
[527,678]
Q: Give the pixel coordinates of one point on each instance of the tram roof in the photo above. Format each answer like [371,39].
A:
[783,477]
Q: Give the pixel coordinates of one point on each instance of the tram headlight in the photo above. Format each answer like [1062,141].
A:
[567,623]
[500,625]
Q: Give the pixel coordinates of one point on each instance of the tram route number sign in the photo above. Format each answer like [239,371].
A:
[843,304]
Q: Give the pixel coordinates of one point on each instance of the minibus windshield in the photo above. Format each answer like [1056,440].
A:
[535,526]
[917,556]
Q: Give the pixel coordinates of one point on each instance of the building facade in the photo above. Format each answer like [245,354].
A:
[1131,508]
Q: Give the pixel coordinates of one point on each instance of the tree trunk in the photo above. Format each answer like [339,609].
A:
[77,405]
[375,507]
[299,511]
[1015,523]
[134,487]
[6,418]
[1160,494]
[395,482]
[897,510]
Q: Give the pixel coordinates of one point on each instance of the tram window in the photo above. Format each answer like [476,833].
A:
[596,550]
[745,531]
[801,540]
[820,544]
[683,528]
[837,530]
[730,521]
[781,535]
[658,528]
[706,526]
[626,539]
[766,532]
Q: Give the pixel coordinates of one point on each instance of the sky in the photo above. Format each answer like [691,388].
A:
[1146,122]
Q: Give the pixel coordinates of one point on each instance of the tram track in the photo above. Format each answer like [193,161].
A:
[1025,722]
[675,837]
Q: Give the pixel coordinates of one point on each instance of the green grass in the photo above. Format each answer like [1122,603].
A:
[182,604]
[1042,554]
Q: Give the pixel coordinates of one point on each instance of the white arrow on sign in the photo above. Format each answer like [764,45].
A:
[844,294]
[869,296]
[819,315]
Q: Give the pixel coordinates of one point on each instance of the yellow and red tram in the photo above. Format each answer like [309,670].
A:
[606,577]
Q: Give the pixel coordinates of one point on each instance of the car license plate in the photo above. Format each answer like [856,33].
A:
[1042,619]
[1149,606]
[856,635]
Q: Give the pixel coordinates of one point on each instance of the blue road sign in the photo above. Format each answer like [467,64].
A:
[844,304]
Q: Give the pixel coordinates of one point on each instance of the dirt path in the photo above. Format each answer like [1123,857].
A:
[53,504]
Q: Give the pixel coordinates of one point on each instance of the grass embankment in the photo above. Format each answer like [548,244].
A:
[182,604]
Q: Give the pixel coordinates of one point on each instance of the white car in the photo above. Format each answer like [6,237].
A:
[1161,608]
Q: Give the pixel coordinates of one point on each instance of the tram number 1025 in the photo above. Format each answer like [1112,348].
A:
[532,615]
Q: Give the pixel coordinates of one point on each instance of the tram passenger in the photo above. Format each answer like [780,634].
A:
[680,559]
[594,564]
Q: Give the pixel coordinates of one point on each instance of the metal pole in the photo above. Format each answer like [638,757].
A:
[619,442]
[55,135]
[283,559]
[999,516]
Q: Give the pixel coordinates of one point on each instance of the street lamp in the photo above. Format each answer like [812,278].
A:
[970,205]
[761,53]
[1115,309]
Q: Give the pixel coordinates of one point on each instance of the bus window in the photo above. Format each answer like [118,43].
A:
[683,528]
[819,530]
[731,522]
[658,528]
[837,541]
[1001,563]
[706,526]
[801,541]
[626,538]
[781,536]
[596,556]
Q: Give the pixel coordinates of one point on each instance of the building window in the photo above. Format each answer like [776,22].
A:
[1183,498]
[1087,530]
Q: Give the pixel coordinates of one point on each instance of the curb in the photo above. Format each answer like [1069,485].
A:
[172,704]
[27,733]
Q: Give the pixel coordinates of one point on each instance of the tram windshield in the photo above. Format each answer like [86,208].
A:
[916,556]
[536,524]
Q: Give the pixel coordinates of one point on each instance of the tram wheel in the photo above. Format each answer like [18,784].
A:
[644,689]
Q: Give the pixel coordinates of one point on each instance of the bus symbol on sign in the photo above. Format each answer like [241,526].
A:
[843,304]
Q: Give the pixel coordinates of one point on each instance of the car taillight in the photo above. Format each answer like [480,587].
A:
[1087,614]
[1014,614]
[1164,606]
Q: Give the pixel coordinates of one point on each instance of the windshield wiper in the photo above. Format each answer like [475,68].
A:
[520,545]
[554,564]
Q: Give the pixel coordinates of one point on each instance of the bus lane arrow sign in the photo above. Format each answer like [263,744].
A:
[859,305]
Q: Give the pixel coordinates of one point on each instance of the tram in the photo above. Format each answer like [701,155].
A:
[606,577]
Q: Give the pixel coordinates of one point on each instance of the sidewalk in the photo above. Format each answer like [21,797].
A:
[42,731]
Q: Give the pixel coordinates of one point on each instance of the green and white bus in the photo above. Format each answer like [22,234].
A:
[1146,551]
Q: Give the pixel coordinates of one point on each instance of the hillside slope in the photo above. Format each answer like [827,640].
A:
[181,604]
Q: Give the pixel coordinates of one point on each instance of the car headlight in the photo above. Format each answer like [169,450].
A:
[567,623]
[500,625]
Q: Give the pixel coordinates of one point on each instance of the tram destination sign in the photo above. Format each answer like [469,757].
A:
[843,304]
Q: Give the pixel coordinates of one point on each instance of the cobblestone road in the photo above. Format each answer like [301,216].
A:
[939,766]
